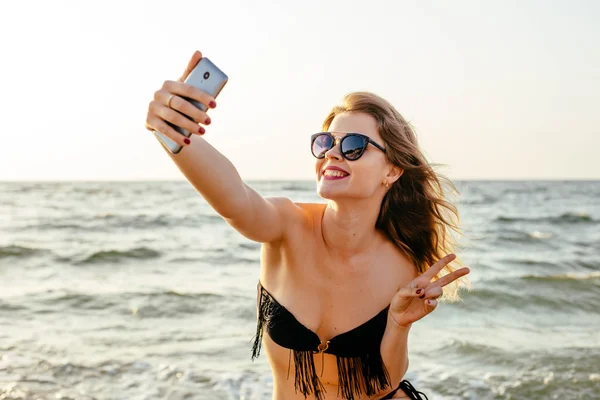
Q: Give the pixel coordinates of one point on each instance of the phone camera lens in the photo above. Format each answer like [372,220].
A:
[206,75]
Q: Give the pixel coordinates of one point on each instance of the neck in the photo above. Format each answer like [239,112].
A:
[348,226]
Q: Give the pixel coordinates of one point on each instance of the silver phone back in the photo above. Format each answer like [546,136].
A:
[212,85]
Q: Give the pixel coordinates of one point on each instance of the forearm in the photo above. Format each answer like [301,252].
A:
[394,350]
[213,176]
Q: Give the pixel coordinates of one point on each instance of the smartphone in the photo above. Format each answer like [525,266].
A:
[210,79]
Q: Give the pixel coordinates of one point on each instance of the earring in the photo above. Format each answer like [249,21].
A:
[387,185]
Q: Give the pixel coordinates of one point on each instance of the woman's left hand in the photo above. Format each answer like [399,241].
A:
[418,299]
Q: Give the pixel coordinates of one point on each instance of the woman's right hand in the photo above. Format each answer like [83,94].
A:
[169,105]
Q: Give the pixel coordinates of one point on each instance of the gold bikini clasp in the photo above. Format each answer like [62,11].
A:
[322,347]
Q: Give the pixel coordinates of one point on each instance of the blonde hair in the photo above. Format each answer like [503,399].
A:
[414,212]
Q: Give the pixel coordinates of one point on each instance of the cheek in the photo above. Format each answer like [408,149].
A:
[318,165]
[366,171]
[367,177]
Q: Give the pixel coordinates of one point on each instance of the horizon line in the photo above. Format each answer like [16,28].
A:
[288,180]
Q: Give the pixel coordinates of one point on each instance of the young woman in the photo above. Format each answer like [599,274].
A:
[340,283]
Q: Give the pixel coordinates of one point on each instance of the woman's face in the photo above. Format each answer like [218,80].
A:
[360,178]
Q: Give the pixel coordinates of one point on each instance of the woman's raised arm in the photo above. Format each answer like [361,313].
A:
[212,174]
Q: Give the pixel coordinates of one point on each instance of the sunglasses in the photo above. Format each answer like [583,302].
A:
[352,145]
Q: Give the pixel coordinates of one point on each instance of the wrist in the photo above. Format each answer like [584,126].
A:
[398,323]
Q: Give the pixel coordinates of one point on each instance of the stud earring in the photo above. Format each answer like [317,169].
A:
[387,185]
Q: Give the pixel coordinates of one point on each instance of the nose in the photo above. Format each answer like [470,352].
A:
[335,151]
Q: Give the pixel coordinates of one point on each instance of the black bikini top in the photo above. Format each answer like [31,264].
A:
[359,363]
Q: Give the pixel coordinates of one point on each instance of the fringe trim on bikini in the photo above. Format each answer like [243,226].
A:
[306,380]
[365,373]
[264,310]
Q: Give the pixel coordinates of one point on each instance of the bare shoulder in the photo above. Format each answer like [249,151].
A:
[315,210]
[300,215]
[406,269]
[288,208]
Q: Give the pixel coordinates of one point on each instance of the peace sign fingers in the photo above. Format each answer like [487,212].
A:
[412,303]
[454,275]
[438,266]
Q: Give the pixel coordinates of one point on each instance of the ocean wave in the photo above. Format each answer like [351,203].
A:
[464,348]
[229,260]
[144,221]
[71,300]
[568,276]
[10,307]
[107,222]
[525,189]
[56,226]
[593,264]
[173,304]
[223,256]
[296,188]
[585,244]
[574,263]
[530,263]
[483,199]
[565,218]
[523,236]
[250,246]
[570,263]
[116,256]
[15,251]
[155,304]
[215,261]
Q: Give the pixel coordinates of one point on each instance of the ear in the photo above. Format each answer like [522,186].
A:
[394,173]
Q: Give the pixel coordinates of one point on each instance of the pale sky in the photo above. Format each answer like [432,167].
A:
[496,90]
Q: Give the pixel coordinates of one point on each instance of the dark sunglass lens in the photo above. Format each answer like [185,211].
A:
[321,145]
[353,147]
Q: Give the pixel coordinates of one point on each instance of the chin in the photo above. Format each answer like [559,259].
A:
[323,194]
[330,190]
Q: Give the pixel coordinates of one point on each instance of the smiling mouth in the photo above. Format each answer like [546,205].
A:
[334,174]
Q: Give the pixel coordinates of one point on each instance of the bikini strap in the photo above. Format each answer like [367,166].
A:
[412,393]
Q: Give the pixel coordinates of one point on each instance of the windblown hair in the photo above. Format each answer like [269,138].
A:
[414,213]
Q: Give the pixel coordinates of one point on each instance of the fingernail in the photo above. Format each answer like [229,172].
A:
[201,130]
[186,141]
[422,296]
[429,302]
[212,104]
[419,291]
[207,122]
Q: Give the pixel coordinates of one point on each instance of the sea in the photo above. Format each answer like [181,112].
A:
[139,290]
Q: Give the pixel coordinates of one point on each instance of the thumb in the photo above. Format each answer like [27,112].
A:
[403,297]
[196,57]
